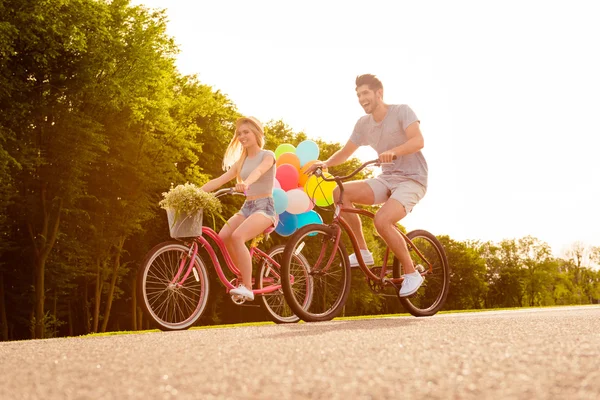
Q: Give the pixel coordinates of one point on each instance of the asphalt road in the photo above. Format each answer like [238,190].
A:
[551,353]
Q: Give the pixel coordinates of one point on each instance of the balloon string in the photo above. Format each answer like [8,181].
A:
[322,192]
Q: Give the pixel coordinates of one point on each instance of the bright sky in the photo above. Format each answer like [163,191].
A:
[508,94]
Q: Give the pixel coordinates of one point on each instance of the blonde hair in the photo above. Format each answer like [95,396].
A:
[235,152]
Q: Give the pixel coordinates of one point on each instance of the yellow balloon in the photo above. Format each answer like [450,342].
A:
[319,190]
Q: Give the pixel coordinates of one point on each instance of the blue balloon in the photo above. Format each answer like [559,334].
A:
[310,217]
[307,151]
[280,199]
[287,224]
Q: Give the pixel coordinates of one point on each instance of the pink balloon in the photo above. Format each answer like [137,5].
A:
[310,206]
[276,184]
[298,201]
[287,175]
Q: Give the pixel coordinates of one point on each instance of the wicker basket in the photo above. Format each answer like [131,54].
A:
[183,225]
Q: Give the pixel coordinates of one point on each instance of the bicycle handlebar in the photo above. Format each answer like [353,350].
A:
[231,190]
[319,171]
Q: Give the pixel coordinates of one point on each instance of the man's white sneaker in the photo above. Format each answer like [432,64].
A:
[411,283]
[242,290]
[366,255]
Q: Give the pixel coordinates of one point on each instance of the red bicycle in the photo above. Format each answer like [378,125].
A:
[174,286]
[329,267]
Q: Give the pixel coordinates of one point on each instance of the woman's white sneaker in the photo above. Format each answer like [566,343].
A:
[366,255]
[243,291]
[411,283]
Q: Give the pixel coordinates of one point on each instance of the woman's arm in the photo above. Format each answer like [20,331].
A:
[263,167]
[255,175]
[221,180]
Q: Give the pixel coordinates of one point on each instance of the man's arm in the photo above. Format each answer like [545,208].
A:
[336,158]
[414,143]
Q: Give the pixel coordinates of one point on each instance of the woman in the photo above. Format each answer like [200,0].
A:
[254,170]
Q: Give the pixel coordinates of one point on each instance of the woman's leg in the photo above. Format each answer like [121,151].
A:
[227,230]
[253,226]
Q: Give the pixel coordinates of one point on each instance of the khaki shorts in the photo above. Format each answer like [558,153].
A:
[404,190]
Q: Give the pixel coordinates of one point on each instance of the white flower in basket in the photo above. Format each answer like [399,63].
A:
[185,205]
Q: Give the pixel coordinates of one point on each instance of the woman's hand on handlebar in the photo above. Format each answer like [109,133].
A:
[241,187]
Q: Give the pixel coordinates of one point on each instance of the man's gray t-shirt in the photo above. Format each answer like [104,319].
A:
[390,133]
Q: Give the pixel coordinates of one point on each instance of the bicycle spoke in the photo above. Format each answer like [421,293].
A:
[171,304]
[431,295]
[329,275]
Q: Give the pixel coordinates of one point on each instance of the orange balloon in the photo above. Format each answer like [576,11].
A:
[303,177]
[289,158]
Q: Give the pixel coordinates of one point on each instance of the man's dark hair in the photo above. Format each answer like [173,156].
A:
[368,79]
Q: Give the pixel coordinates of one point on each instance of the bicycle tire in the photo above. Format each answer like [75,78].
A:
[274,303]
[321,294]
[150,292]
[430,297]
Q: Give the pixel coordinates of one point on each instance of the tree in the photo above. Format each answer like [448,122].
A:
[468,274]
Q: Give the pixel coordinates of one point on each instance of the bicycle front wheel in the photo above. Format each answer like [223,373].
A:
[269,274]
[172,303]
[432,294]
[329,270]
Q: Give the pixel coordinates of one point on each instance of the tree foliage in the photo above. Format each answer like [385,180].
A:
[97,122]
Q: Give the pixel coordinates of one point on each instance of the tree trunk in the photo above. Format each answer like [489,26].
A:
[86,310]
[3,319]
[39,299]
[32,327]
[70,318]
[113,282]
[134,303]
[98,294]
[55,313]
[43,242]
[140,315]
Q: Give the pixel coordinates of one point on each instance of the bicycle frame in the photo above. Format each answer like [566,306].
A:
[339,223]
[255,252]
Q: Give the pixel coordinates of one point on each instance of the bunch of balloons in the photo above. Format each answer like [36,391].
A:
[295,193]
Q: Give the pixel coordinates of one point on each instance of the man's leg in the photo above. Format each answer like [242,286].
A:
[385,220]
[359,192]
[403,199]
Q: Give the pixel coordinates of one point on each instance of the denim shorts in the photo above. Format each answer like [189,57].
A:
[264,206]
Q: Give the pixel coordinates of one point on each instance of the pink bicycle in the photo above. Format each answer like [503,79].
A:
[174,286]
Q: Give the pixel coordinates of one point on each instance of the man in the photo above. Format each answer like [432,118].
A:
[393,131]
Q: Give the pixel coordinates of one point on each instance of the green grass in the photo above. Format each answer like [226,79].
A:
[352,318]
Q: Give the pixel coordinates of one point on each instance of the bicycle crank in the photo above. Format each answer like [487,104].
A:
[237,299]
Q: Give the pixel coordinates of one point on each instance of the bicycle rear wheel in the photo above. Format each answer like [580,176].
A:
[172,304]
[274,303]
[432,294]
[329,270]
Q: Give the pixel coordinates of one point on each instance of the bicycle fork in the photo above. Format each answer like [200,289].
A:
[191,255]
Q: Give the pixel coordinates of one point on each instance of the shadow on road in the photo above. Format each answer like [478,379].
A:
[319,328]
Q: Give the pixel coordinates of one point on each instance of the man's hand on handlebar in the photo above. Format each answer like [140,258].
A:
[317,164]
[387,157]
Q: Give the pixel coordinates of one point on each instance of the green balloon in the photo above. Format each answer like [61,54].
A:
[284,148]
